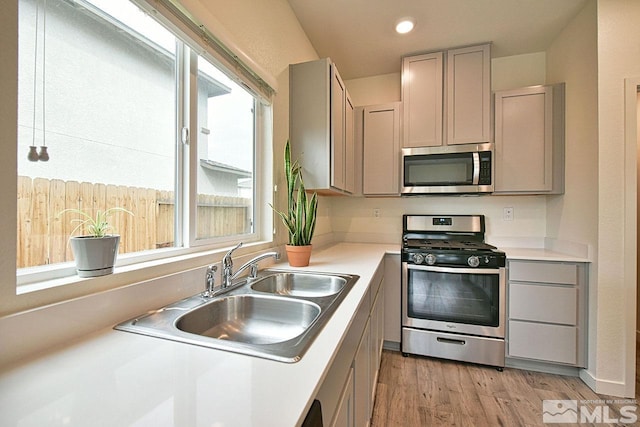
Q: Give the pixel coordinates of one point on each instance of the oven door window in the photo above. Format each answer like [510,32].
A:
[454,297]
[438,169]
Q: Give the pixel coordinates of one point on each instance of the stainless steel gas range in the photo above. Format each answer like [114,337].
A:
[453,290]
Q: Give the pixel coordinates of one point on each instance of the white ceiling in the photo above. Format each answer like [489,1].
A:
[359,35]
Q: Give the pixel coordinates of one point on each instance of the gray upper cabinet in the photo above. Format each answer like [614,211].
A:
[455,109]
[422,100]
[529,140]
[381,150]
[321,127]
[469,95]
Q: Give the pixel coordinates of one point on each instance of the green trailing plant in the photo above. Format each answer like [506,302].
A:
[300,217]
[96,226]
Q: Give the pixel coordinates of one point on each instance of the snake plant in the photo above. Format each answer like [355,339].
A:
[300,217]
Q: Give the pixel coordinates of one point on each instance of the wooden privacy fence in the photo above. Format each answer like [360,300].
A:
[43,234]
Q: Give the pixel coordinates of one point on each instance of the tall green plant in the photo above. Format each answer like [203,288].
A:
[300,217]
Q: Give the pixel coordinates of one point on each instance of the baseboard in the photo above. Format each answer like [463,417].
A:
[391,345]
[606,387]
[547,368]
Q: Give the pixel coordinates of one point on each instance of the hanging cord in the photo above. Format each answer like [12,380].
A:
[42,155]
[33,154]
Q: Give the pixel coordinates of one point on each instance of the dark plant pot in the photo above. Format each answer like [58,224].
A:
[298,256]
[95,256]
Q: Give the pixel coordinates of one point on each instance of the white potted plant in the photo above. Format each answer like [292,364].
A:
[300,217]
[94,253]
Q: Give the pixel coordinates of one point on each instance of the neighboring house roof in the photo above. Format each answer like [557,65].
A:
[221,167]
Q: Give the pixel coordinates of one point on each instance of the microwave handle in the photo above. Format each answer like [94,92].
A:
[476,168]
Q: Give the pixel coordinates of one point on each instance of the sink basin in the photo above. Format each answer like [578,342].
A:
[300,284]
[250,319]
[274,316]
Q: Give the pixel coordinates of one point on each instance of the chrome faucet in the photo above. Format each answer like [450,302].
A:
[227,266]
[253,264]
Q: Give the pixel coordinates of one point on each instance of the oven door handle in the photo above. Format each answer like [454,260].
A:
[454,269]
[450,341]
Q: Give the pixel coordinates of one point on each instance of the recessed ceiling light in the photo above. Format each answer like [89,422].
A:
[405,25]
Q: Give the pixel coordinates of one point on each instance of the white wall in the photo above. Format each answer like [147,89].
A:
[572,58]
[510,72]
[375,90]
[618,59]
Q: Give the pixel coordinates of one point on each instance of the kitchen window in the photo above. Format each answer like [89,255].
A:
[118,109]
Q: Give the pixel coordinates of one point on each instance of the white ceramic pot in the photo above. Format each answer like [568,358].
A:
[95,256]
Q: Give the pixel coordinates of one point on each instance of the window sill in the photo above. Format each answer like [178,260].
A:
[37,293]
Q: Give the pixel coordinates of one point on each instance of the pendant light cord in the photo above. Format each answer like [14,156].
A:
[35,74]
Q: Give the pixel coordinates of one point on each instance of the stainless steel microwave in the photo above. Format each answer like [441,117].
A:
[448,169]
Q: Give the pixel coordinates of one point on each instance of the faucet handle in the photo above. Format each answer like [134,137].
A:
[226,260]
[210,279]
[253,270]
[211,270]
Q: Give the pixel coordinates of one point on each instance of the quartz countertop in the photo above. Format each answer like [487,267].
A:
[539,254]
[114,378]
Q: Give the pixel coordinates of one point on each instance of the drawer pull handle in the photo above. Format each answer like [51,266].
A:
[450,341]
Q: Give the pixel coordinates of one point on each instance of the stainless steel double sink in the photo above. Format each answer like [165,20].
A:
[275,316]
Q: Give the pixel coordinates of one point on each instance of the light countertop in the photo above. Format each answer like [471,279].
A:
[114,378]
[540,255]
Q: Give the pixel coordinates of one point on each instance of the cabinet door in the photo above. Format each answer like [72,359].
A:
[362,379]
[422,100]
[381,150]
[338,125]
[377,338]
[344,412]
[349,147]
[469,95]
[524,137]
[541,341]
[543,303]
[392,298]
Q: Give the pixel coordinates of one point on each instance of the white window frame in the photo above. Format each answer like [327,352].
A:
[48,276]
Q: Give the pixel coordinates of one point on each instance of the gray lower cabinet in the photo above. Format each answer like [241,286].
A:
[344,410]
[547,304]
[392,302]
[348,391]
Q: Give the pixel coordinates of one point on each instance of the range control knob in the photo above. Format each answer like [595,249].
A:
[418,258]
[430,258]
[473,261]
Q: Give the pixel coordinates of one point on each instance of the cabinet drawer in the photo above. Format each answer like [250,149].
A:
[543,303]
[552,343]
[547,272]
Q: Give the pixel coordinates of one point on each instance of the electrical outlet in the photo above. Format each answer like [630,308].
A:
[507,214]
[376,213]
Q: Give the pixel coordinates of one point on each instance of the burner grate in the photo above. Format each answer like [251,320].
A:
[447,244]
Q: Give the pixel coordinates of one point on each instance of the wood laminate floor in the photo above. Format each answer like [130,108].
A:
[421,391]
